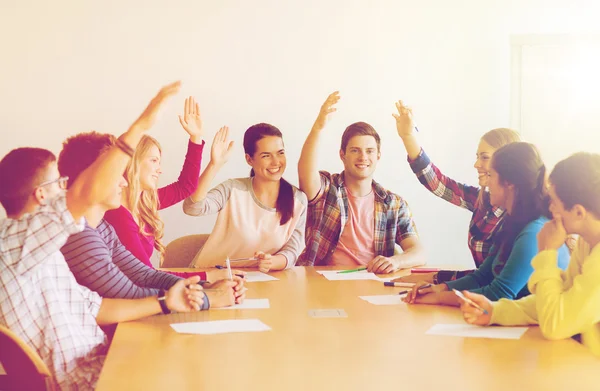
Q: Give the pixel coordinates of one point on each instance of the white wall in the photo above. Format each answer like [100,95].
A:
[71,66]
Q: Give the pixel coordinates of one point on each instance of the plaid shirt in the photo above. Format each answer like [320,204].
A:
[42,303]
[486,218]
[328,213]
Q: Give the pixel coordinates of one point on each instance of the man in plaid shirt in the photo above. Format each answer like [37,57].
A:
[40,300]
[352,220]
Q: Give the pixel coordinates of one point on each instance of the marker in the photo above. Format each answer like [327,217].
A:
[352,270]
[399,284]
[469,301]
[421,287]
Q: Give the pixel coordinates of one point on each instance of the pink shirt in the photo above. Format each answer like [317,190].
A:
[356,245]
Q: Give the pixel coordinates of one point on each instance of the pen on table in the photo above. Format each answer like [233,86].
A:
[421,287]
[469,301]
[223,267]
[352,270]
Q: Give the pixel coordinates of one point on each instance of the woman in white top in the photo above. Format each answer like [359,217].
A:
[261,217]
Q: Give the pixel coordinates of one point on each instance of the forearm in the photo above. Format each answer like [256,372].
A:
[410,258]
[197,139]
[122,310]
[308,172]
[279,262]
[413,149]
[206,178]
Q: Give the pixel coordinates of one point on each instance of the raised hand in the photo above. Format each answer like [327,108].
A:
[326,109]
[148,117]
[404,122]
[221,147]
[191,121]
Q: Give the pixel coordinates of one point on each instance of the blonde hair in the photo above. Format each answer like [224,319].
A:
[143,204]
[497,138]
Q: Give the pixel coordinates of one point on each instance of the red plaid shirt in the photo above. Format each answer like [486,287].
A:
[486,218]
[328,213]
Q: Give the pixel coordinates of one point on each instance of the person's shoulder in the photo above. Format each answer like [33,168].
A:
[534,226]
[300,196]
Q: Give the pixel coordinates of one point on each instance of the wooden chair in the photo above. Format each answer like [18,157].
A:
[181,252]
[24,368]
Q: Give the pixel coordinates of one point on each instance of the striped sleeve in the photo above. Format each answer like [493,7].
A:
[101,263]
[448,189]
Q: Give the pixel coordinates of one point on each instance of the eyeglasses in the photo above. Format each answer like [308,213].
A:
[62,182]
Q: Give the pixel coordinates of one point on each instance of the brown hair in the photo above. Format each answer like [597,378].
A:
[520,164]
[576,180]
[359,129]
[80,151]
[21,170]
[285,199]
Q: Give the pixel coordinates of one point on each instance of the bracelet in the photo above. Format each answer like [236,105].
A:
[162,300]
[123,146]
[205,303]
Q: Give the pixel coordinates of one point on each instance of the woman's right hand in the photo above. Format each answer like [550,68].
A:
[473,315]
[221,147]
[416,277]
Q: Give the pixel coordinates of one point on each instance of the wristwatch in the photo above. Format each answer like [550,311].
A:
[162,300]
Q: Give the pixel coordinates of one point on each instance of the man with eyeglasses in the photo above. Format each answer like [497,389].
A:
[40,299]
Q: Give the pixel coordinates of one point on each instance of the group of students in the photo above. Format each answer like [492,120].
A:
[80,232]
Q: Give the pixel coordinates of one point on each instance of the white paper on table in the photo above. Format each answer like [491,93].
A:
[221,326]
[249,304]
[259,277]
[467,330]
[384,299]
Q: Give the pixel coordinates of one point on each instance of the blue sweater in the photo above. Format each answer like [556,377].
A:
[509,282]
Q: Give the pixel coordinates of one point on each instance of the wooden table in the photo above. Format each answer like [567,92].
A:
[374,348]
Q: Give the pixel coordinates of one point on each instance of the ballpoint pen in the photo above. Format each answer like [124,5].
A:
[469,301]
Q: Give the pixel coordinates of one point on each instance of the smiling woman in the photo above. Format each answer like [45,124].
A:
[486,217]
[136,221]
[261,217]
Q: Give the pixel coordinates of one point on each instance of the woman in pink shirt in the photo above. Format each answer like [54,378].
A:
[261,217]
[137,222]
